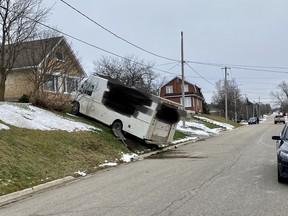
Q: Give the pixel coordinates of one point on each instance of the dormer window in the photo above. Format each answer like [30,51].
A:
[60,56]
[169,89]
[186,88]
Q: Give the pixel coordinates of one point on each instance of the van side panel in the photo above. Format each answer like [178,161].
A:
[142,115]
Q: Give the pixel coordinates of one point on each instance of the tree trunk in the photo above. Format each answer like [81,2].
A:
[2,88]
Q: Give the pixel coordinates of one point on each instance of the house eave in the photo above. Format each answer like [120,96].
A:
[180,95]
[25,68]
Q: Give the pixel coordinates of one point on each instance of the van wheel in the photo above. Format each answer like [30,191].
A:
[117,125]
[75,108]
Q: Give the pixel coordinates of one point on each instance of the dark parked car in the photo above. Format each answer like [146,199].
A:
[253,120]
[282,154]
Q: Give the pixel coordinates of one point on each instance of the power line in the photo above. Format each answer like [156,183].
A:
[94,46]
[117,36]
[260,70]
[256,83]
[243,67]
[240,67]
[173,67]
[198,74]
[164,64]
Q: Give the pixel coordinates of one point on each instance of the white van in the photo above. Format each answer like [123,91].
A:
[141,114]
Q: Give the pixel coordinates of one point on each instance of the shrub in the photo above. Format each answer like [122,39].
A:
[24,99]
[57,102]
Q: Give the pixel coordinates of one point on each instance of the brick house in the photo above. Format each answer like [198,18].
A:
[193,95]
[46,64]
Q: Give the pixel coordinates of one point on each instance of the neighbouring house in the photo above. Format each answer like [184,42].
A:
[193,96]
[46,65]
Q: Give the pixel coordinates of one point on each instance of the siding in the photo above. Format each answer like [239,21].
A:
[17,84]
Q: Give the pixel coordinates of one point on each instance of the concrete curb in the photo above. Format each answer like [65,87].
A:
[12,197]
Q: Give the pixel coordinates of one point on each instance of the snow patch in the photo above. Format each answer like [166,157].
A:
[221,124]
[108,164]
[81,173]
[28,116]
[128,157]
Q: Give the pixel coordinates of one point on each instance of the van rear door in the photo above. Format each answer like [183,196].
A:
[160,132]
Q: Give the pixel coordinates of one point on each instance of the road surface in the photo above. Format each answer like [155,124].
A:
[233,173]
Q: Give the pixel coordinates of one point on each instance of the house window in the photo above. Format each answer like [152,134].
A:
[71,84]
[60,56]
[186,88]
[53,83]
[169,89]
[187,102]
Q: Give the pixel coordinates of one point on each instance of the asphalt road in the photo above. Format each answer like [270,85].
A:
[233,173]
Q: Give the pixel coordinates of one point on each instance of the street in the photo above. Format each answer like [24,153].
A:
[233,173]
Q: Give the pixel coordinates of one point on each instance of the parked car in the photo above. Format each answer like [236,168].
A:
[282,154]
[253,120]
[279,119]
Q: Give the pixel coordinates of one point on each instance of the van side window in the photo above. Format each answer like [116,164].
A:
[167,113]
[125,100]
[87,88]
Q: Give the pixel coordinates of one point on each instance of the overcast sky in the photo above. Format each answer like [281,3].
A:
[239,34]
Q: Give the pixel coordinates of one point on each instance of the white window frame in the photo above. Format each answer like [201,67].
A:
[188,102]
[58,84]
[169,89]
[54,84]
[186,88]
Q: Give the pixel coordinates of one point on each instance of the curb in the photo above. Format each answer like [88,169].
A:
[12,197]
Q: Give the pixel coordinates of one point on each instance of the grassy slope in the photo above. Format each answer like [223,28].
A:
[29,157]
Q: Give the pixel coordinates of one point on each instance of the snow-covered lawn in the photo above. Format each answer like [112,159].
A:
[28,116]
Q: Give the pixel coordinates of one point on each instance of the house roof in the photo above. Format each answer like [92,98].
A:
[177,77]
[33,53]
[197,89]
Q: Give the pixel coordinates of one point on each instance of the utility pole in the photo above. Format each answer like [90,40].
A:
[259,108]
[235,101]
[226,93]
[246,107]
[183,82]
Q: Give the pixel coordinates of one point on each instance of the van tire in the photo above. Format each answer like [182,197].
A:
[117,125]
[75,108]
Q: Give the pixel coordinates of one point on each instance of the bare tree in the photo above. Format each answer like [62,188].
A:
[234,101]
[19,22]
[131,71]
[281,97]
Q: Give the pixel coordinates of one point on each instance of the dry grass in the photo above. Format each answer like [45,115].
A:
[29,157]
